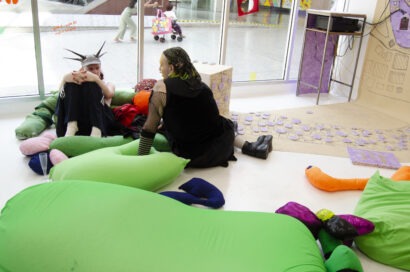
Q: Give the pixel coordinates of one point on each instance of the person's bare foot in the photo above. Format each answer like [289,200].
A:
[133,39]
[117,40]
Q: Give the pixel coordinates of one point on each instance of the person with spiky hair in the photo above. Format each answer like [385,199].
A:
[84,99]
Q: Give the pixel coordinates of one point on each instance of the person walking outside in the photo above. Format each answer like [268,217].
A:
[127,21]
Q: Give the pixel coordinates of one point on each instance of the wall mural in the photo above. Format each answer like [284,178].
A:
[386,70]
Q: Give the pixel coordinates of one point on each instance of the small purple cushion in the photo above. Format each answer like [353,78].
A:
[362,226]
[302,213]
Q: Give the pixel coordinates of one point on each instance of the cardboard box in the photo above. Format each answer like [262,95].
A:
[219,79]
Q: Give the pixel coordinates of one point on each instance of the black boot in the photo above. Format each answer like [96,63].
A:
[266,139]
[256,149]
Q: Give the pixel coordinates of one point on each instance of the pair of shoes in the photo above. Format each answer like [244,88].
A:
[266,139]
[260,148]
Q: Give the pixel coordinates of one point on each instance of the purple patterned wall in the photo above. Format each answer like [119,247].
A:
[312,59]
[400,22]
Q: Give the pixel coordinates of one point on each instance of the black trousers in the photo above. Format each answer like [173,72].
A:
[82,103]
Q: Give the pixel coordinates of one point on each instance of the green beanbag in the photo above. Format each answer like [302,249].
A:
[121,165]
[386,203]
[39,120]
[77,145]
[122,97]
[42,116]
[90,226]
[32,126]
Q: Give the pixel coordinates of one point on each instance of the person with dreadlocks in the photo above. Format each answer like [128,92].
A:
[84,99]
[190,117]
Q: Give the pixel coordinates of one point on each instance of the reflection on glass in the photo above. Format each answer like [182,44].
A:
[200,23]
[83,25]
[17,57]
[246,5]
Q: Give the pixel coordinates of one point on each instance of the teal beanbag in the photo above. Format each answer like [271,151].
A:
[121,165]
[386,203]
[89,226]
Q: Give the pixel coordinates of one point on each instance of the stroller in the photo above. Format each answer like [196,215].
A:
[162,25]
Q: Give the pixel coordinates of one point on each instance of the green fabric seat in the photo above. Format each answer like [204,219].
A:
[43,115]
[121,165]
[387,204]
[90,226]
[39,120]
[122,97]
[76,145]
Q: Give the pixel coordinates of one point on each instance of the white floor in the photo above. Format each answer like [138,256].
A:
[249,184]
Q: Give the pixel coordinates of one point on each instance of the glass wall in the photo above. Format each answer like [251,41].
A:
[17,53]
[83,26]
[200,22]
[265,45]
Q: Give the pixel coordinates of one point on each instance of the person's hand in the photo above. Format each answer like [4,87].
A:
[83,75]
[79,76]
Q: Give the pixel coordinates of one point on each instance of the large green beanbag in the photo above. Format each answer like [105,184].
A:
[77,145]
[122,97]
[37,121]
[121,165]
[32,126]
[42,116]
[89,226]
[386,203]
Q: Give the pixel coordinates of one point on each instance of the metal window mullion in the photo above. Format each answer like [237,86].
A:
[291,39]
[37,48]
[224,32]
[140,34]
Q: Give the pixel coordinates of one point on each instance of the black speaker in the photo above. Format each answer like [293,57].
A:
[339,24]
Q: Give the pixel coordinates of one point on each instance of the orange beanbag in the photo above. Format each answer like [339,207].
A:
[141,100]
[325,182]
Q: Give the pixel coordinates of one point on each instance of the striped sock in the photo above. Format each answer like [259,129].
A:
[145,145]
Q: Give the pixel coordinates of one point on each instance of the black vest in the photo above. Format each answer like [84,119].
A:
[191,117]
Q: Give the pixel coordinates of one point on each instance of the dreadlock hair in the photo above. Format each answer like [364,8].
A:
[183,67]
